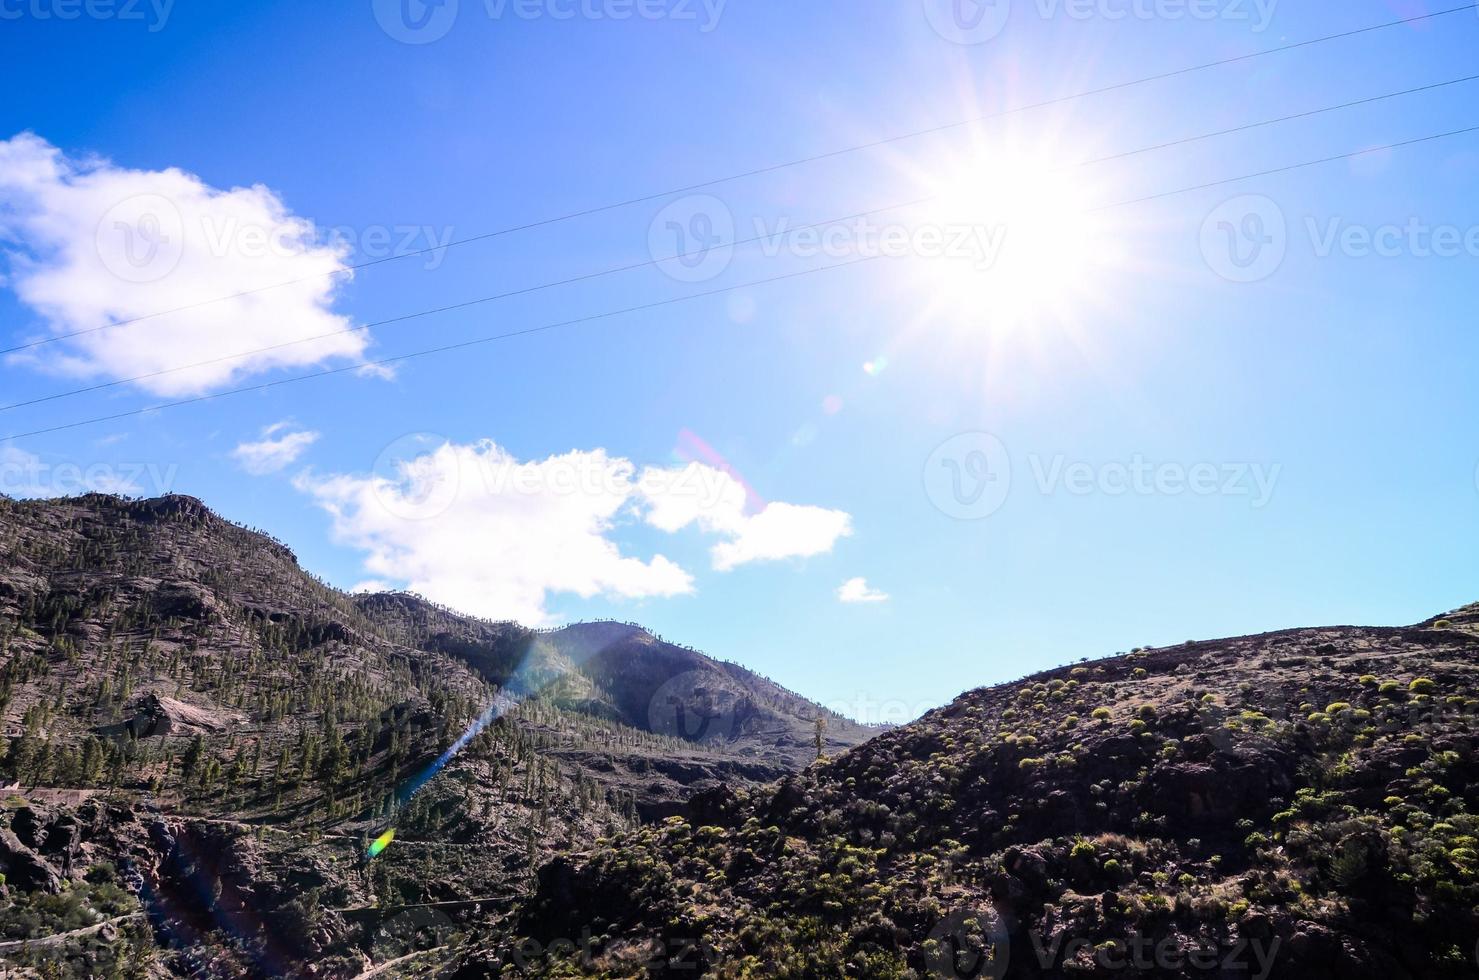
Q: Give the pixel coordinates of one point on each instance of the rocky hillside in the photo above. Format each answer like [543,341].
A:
[201,740]
[1302,804]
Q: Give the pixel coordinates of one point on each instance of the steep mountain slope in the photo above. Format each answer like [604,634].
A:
[200,734]
[1295,805]
[621,672]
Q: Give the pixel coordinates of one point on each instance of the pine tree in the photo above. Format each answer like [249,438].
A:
[190,764]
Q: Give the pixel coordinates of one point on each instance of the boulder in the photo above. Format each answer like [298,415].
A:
[24,868]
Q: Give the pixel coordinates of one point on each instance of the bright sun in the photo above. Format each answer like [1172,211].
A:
[1023,245]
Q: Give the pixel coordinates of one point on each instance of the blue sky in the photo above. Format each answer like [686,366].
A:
[1323,409]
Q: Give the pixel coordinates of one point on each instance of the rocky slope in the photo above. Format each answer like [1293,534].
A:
[1295,805]
[201,740]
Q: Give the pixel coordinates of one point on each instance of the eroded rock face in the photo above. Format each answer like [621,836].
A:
[24,868]
[157,717]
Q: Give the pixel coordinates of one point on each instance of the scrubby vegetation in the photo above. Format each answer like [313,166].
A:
[182,702]
[1302,805]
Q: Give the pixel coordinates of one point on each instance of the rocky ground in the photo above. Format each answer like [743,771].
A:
[1296,805]
[201,741]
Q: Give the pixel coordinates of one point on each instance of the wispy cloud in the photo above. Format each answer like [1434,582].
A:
[276,449]
[858,590]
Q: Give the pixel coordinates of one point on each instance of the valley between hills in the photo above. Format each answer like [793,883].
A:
[205,745]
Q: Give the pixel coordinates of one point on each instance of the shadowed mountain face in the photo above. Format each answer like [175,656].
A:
[1295,805]
[621,672]
[203,740]
[214,736]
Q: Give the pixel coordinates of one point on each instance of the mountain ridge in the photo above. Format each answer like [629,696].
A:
[181,698]
[1299,803]
[206,741]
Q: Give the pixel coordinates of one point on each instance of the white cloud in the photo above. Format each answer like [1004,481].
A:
[717,503]
[472,527]
[371,586]
[273,453]
[90,243]
[858,590]
[783,531]
[475,528]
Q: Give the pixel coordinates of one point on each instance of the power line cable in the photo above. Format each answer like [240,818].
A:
[462,345]
[478,341]
[226,358]
[772,168]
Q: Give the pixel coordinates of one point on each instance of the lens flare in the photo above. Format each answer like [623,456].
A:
[692,449]
[381,843]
